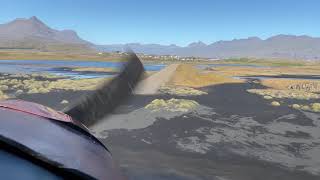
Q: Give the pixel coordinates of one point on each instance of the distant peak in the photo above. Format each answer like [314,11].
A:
[254,38]
[197,44]
[134,44]
[31,20]
[279,36]
[34,18]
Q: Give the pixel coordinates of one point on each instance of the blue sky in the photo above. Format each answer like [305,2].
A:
[170,21]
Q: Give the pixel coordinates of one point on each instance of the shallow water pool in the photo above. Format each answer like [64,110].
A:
[54,67]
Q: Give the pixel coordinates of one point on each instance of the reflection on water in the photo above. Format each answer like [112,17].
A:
[54,67]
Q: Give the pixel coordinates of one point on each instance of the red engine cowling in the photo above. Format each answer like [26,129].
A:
[54,140]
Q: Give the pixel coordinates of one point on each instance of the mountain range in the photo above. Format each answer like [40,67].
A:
[33,34]
[280,47]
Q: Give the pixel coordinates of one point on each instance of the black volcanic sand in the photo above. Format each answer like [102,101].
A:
[162,160]
[230,99]
[53,99]
[153,164]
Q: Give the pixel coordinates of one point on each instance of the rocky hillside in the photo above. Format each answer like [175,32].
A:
[34,34]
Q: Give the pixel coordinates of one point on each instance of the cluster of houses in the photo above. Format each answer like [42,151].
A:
[169,57]
[162,57]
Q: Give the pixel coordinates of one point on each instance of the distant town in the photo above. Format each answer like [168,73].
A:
[164,57]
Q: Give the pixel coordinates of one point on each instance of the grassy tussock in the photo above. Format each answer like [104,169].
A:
[33,85]
[3,96]
[181,91]
[172,105]
[274,93]
[313,107]
[275,103]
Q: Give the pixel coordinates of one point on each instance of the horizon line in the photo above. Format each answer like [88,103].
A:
[169,44]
